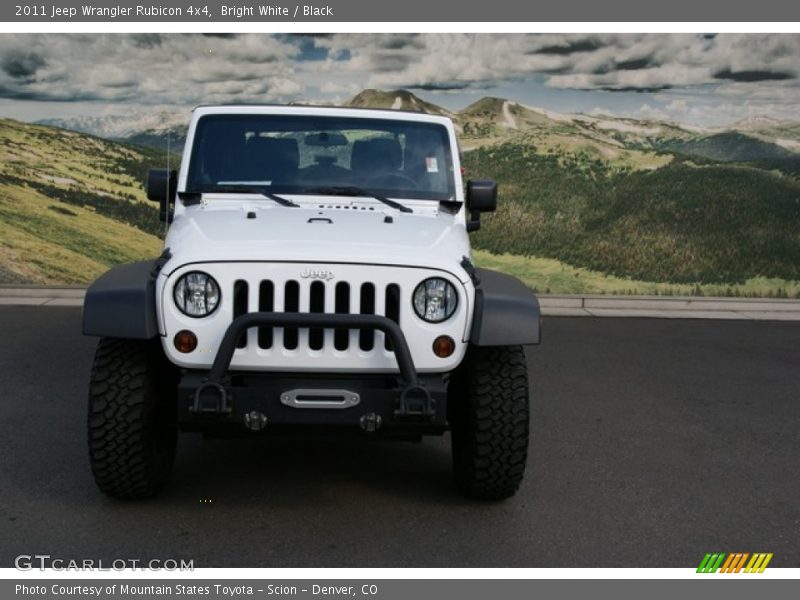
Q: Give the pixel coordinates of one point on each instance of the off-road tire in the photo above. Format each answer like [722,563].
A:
[132,431]
[489,416]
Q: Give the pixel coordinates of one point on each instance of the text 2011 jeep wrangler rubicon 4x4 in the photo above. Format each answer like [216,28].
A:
[316,276]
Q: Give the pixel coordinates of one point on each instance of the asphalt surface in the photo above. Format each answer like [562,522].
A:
[654,442]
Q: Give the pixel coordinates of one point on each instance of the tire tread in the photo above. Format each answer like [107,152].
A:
[131,442]
[491,423]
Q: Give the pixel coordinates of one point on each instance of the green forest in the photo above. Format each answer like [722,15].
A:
[682,223]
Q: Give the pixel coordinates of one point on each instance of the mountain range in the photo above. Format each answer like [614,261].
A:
[492,120]
[589,203]
[154,129]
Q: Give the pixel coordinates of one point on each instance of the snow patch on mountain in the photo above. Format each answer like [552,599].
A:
[758,122]
[122,126]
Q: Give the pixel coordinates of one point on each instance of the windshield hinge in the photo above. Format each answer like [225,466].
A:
[450,206]
[190,198]
[160,262]
[467,265]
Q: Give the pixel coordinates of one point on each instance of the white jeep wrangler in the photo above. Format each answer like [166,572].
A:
[316,277]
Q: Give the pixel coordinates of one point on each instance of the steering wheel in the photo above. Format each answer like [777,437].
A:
[386,177]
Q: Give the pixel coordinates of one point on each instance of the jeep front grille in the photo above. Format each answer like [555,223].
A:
[332,288]
[316,297]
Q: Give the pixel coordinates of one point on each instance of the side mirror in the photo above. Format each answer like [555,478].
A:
[481,197]
[161,186]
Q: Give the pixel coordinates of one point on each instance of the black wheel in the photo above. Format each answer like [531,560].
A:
[489,413]
[132,431]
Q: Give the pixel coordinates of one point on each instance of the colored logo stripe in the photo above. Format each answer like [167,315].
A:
[711,562]
[758,563]
[734,562]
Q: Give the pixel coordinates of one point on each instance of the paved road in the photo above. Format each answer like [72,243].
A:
[654,442]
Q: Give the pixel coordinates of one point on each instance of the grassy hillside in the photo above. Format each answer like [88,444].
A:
[547,275]
[71,205]
[495,121]
[682,223]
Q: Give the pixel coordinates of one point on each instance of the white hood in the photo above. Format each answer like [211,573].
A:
[329,230]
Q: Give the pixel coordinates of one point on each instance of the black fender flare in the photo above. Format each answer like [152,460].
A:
[121,303]
[506,313]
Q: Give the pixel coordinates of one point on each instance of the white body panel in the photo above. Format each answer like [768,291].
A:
[358,239]
[357,232]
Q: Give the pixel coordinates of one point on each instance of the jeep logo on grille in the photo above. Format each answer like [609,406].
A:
[317,274]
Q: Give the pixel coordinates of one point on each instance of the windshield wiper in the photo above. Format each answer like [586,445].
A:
[280,199]
[238,189]
[347,190]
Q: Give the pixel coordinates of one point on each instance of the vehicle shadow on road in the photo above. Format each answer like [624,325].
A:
[304,472]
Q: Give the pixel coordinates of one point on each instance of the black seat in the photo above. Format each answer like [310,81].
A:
[370,158]
[272,159]
[224,154]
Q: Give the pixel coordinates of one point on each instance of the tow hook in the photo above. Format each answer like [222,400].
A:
[210,397]
[415,402]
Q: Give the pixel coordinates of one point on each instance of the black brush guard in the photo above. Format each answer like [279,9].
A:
[414,399]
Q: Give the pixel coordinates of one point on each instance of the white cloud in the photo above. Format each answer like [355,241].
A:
[649,112]
[678,105]
[746,72]
[153,69]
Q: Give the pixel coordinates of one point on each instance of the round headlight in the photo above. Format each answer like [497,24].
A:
[435,300]
[196,294]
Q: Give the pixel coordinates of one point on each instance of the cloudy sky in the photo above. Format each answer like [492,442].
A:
[690,78]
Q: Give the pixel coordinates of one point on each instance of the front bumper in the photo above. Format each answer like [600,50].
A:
[404,404]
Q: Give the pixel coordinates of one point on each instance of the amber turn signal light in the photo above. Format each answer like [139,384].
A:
[443,346]
[185,341]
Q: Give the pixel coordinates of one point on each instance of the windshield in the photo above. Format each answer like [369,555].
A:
[305,154]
